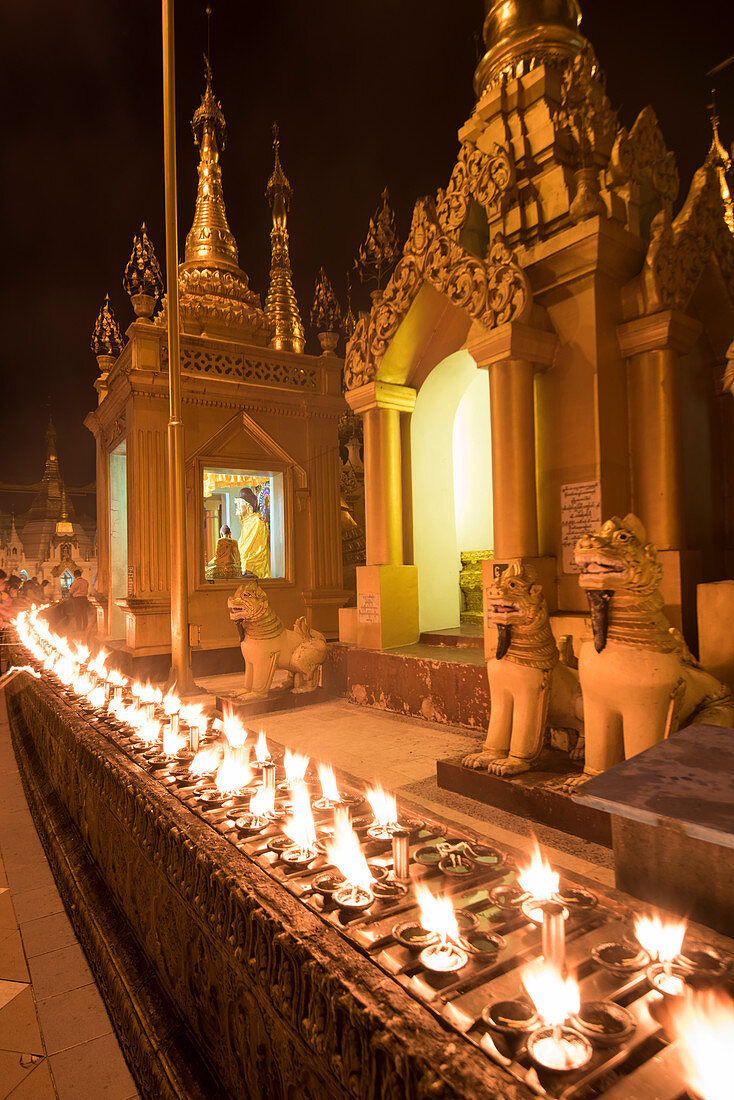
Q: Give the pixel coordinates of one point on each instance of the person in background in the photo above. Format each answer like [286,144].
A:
[78,590]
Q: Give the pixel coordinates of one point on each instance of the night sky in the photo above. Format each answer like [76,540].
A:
[366,94]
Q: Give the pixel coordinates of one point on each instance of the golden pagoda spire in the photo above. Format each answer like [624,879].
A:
[51,471]
[721,160]
[64,526]
[281,307]
[210,242]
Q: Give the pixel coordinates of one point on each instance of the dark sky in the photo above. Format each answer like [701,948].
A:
[366,94]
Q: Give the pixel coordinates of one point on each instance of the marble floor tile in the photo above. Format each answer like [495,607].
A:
[41,901]
[9,990]
[47,934]
[15,1068]
[39,1085]
[59,971]
[71,1018]
[13,965]
[99,1064]
[19,1026]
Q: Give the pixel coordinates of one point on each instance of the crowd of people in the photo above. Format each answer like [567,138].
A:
[69,614]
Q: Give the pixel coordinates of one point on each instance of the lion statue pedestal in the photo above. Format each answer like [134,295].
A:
[267,645]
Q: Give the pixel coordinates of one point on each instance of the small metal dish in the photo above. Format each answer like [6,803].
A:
[510,1017]
[412,935]
[621,956]
[328,882]
[508,897]
[605,1023]
[487,945]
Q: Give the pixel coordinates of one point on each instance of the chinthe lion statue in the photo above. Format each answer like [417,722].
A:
[639,680]
[267,645]
[530,687]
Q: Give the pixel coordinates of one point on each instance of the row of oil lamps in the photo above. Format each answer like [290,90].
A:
[556,1026]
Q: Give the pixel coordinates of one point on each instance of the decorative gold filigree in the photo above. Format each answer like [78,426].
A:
[143,273]
[379,250]
[680,249]
[585,110]
[640,155]
[483,177]
[493,291]
[326,314]
[106,335]
[217,295]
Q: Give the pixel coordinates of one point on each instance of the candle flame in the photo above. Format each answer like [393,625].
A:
[234,772]
[234,731]
[662,940]
[295,767]
[262,752]
[95,697]
[115,678]
[437,913]
[703,1025]
[172,742]
[262,803]
[205,762]
[150,694]
[98,665]
[193,716]
[171,703]
[538,879]
[384,807]
[150,731]
[300,827]
[329,789]
[345,852]
[555,997]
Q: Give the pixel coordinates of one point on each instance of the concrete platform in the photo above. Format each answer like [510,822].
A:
[534,795]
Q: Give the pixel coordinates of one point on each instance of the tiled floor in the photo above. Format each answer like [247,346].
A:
[56,1039]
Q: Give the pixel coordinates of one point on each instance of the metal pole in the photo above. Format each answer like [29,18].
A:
[180,654]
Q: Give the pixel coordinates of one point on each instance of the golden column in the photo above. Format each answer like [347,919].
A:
[180,652]
[512,354]
[651,345]
[387,589]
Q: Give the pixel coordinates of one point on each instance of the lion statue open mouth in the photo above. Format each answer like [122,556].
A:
[267,645]
[640,682]
[530,688]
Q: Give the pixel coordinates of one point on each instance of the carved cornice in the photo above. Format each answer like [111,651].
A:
[492,290]
[641,156]
[479,176]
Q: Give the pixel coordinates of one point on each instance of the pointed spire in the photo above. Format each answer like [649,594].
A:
[350,321]
[326,314]
[64,526]
[106,336]
[378,253]
[51,470]
[209,242]
[281,307]
[721,160]
[142,279]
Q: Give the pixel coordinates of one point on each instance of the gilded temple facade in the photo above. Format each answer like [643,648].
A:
[549,350]
[261,438]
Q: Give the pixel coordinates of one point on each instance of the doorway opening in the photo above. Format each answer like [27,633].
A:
[451,458]
[118,540]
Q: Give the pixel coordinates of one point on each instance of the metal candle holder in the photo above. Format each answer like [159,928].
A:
[559,1049]
[512,1017]
[605,1023]
[443,957]
[353,899]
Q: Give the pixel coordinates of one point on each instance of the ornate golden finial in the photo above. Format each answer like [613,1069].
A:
[64,526]
[106,336]
[210,242]
[350,321]
[326,314]
[379,251]
[519,34]
[721,160]
[142,279]
[281,306]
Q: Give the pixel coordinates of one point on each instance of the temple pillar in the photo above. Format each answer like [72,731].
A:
[512,354]
[651,345]
[387,589]
[211,526]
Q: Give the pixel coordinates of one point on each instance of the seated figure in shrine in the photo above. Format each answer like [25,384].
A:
[254,541]
[226,563]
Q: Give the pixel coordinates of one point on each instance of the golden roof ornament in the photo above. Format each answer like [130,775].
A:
[107,342]
[326,314]
[64,526]
[142,279]
[379,251]
[350,321]
[210,242]
[519,34]
[722,162]
[281,306]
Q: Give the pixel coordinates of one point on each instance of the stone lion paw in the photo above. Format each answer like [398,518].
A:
[578,752]
[511,765]
[571,783]
[482,759]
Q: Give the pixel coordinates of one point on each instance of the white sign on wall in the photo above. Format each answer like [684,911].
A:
[580,515]
[368,607]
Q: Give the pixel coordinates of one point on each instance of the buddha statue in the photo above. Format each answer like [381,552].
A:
[254,541]
[226,563]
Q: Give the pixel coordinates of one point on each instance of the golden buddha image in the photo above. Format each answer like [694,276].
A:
[226,563]
[254,540]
